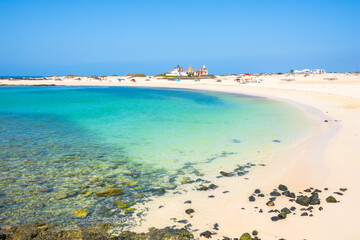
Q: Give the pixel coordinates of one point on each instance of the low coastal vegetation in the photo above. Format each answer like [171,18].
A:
[136,74]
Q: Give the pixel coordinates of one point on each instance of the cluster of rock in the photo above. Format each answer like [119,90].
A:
[244,236]
[43,231]
[308,201]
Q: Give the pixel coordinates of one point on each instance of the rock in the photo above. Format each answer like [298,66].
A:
[286,210]
[282,215]
[110,192]
[320,208]
[289,194]
[293,208]
[216,226]
[257,191]
[203,188]
[331,199]
[187,202]
[275,194]
[213,186]
[307,190]
[338,193]
[226,174]
[303,200]
[261,195]
[206,234]
[81,213]
[343,189]
[304,214]
[252,199]
[282,187]
[189,211]
[160,191]
[255,233]
[245,236]
[270,203]
[61,196]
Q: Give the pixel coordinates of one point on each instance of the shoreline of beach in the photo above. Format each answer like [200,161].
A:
[328,159]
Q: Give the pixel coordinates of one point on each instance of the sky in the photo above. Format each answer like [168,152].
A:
[106,37]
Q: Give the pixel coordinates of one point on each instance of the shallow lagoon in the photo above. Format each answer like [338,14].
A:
[60,145]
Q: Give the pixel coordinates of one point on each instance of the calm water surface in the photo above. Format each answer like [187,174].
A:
[60,145]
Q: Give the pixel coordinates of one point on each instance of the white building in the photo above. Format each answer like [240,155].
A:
[319,71]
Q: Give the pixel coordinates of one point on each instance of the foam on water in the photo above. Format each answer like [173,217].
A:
[59,145]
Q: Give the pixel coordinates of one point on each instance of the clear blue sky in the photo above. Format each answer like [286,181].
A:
[43,37]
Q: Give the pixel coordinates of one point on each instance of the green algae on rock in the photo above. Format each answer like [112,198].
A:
[110,192]
[81,213]
[246,236]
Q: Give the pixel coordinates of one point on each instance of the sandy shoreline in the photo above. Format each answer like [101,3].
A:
[330,158]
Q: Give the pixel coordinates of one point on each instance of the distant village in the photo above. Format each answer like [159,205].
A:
[180,72]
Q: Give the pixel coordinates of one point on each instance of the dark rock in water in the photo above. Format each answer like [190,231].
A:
[203,188]
[276,141]
[211,196]
[338,193]
[245,236]
[236,141]
[275,218]
[252,199]
[226,174]
[206,234]
[166,233]
[282,187]
[226,238]
[187,202]
[310,208]
[320,208]
[260,211]
[257,191]
[216,226]
[225,191]
[331,199]
[343,189]
[293,208]
[304,214]
[282,215]
[303,200]
[311,215]
[317,191]
[160,191]
[289,194]
[275,194]
[261,195]
[326,189]
[255,233]
[307,190]
[189,211]
[183,221]
[270,203]
[110,192]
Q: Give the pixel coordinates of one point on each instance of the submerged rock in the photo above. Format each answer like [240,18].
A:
[110,192]
[226,174]
[270,203]
[81,213]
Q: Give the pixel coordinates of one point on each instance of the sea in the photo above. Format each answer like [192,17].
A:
[60,145]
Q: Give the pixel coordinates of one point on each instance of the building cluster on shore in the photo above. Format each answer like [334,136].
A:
[180,72]
[307,71]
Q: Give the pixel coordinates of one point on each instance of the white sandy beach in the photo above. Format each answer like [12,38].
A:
[330,158]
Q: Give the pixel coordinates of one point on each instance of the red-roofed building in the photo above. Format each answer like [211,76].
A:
[202,71]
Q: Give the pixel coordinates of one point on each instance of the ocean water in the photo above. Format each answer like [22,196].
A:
[60,145]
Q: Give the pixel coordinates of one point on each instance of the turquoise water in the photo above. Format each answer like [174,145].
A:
[60,145]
